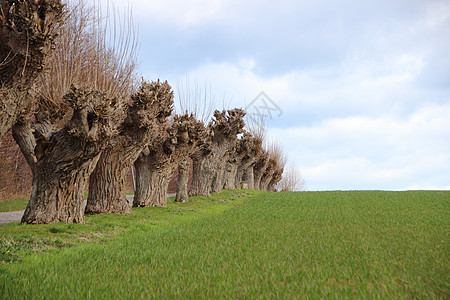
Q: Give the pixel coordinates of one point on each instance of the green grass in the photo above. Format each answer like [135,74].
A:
[21,204]
[275,245]
[13,204]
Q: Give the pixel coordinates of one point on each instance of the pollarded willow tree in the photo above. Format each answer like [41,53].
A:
[227,131]
[258,130]
[79,107]
[250,153]
[247,152]
[273,170]
[245,169]
[62,160]
[156,164]
[27,33]
[208,168]
[203,151]
[276,177]
[198,101]
[237,153]
[198,149]
[146,117]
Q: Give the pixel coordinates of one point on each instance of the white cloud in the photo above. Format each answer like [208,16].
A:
[437,14]
[374,153]
[239,82]
[359,87]
[182,13]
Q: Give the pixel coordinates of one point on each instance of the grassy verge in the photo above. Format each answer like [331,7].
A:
[20,203]
[283,245]
[13,204]
[18,241]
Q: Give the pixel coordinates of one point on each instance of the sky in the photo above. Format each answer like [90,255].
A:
[359,91]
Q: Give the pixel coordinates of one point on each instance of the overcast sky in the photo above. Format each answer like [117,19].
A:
[363,86]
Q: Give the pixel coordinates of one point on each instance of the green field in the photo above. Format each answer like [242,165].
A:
[241,244]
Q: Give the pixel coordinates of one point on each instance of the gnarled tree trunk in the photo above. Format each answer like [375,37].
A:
[151,183]
[258,171]
[267,177]
[247,152]
[60,173]
[106,185]
[244,171]
[183,181]
[239,175]
[248,177]
[276,177]
[230,174]
[219,165]
[58,197]
[12,101]
[202,175]
[107,182]
[208,172]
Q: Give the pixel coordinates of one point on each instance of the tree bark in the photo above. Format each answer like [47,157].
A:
[208,172]
[258,172]
[202,175]
[276,177]
[183,181]
[266,178]
[107,185]
[151,183]
[244,171]
[249,178]
[218,181]
[239,176]
[156,165]
[58,198]
[230,175]
[219,158]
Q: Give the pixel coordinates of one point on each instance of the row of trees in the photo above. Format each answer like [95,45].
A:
[69,97]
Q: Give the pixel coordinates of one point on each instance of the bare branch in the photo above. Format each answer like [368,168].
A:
[292,179]
[195,99]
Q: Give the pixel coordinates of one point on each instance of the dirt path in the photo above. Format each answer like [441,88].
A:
[15,216]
